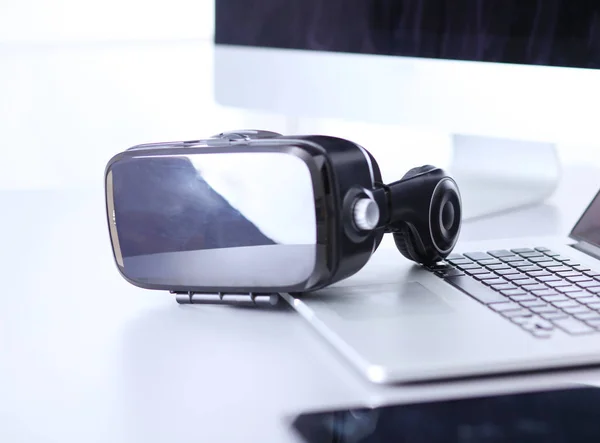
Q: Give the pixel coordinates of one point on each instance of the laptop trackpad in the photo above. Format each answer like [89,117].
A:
[381,300]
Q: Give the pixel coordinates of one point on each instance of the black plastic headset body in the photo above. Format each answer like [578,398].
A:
[422,210]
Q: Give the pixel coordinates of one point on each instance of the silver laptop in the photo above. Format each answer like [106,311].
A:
[492,307]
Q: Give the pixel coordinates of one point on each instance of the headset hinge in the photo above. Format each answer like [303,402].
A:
[221,298]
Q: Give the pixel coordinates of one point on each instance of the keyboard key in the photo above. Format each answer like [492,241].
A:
[553,315]
[476,271]
[551,253]
[521,319]
[536,287]
[514,292]
[526,281]
[459,261]
[499,267]
[519,264]
[440,266]
[576,309]
[449,273]
[505,271]
[521,250]
[558,283]
[476,289]
[469,265]
[577,295]
[487,276]
[528,255]
[539,259]
[500,253]
[510,258]
[592,273]
[548,278]
[588,284]
[519,277]
[496,281]
[573,326]
[581,278]
[587,300]
[560,269]
[514,312]
[566,289]
[531,268]
[581,268]
[541,309]
[562,259]
[555,298]
[588,316]
[489,262]
[533,303]
[520,298]
[476,256]
[566,304]
[595,306]
[542,249]
[503,287]
[454,256]
[540,273]
[595,323]
[593,290]
[506,306]
[550,264]
[568,273]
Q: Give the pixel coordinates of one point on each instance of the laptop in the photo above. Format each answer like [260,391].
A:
[493,307]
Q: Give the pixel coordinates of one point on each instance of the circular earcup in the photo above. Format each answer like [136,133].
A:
[406,244]
[427,207]
[445,216]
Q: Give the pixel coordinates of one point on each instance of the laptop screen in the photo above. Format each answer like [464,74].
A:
[587,229]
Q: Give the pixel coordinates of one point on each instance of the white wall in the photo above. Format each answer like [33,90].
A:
[83,80]
[77,20]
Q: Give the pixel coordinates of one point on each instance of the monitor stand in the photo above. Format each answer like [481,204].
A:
[498,175]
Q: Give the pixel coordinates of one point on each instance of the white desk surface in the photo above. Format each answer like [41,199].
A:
[86,357]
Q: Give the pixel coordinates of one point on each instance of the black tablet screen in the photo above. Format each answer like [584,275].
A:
[569,416]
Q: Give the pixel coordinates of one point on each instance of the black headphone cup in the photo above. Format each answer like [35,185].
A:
[406,244]
[426,214]
[418,170]
[446,216]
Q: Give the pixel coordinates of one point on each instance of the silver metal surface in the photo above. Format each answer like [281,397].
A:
[395,322]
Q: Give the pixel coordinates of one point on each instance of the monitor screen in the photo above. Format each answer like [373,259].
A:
[565,416]
[587,229]
[549,32]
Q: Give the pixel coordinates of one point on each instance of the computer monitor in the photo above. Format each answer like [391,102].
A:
[507,79]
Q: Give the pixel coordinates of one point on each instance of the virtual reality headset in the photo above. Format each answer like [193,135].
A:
[245,214]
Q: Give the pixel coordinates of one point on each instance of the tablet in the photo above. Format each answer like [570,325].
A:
[566,415]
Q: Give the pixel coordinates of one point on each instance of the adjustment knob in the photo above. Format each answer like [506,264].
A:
[365,214]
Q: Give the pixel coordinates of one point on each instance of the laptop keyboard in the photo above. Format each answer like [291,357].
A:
[536,289]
